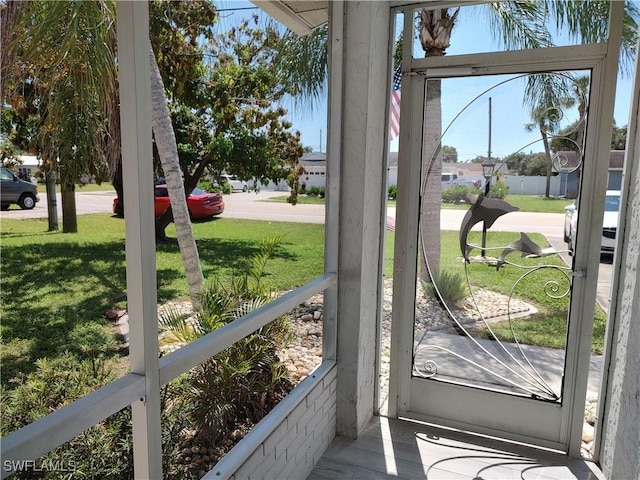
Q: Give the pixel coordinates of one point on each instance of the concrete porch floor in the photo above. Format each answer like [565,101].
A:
[400,449]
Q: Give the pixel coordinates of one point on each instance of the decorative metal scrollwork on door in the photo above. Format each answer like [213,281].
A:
[466,349]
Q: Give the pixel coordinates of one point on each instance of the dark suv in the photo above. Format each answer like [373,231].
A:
[14,190]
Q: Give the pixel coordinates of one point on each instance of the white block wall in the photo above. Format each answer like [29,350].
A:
[294,447]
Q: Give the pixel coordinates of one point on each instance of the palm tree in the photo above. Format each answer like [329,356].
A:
[168,150]
[71,47]
[434,32]
[554,93]
[68,64]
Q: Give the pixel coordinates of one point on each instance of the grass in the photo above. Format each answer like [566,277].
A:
[92,187]
[546,328]
[302,200]
[538,204]
[56,287]
[525,203]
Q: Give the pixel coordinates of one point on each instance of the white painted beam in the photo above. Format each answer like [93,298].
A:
[365,95]
[137,168]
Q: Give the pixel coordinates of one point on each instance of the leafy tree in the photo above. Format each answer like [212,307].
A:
[619,138]
[566,139]
[449,154]
[478,159]
[228,121]
[527,163]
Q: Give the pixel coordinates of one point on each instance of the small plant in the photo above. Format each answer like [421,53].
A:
[295,186]
[451,285]
[393,192]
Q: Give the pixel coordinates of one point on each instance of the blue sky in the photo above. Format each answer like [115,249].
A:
[469,134]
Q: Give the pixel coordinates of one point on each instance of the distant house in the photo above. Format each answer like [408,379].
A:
[570,173]
[466,172]
[315,168]
[28,167]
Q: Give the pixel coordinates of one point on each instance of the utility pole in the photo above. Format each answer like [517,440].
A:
[487,185]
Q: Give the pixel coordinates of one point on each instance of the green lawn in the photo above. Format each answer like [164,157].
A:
[302,200]
[55,287]
[92,187]
[533,285]
[526,203]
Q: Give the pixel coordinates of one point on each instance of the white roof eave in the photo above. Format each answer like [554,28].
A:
[300,16]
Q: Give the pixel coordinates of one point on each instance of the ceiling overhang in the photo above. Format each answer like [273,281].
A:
[300,16]
[304,16]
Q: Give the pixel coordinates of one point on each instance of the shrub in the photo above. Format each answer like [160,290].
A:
[295,186]
[315,192]
[104,451]
[208,186]
[244,382]
[451,285]
[458,193]
[393,192]
[499,190]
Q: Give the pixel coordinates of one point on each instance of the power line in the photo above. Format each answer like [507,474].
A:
[236,9]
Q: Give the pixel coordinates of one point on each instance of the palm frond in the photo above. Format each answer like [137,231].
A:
[519,24]
[588,20]
[177,328]
[302,65]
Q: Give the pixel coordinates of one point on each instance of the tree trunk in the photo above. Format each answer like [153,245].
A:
[119,188]
[162,222]
[547,151]
[431,181]
[168,151]
[69,215]
[52,202]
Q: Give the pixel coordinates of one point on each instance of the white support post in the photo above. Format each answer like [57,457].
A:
[334,145]
[618,428]
[137,168]
[362,148]
[594,181]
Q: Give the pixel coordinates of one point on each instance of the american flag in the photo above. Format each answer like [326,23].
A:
[395,104]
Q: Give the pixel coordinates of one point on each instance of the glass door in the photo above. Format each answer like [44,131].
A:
[492,335]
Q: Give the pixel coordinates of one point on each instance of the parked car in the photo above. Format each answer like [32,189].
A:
[201,204]
[14,190]
[451,179]
[236,184]
[609,223]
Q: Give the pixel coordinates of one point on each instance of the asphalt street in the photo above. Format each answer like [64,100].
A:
[251,205]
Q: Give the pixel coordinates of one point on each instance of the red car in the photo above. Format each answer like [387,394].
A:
[201,204]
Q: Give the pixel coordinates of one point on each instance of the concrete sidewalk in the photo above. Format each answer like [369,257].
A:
[446,349]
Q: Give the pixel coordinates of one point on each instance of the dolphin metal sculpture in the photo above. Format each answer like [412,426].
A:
[482,209]
[527,247]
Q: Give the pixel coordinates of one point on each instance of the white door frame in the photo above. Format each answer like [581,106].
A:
[565,419]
